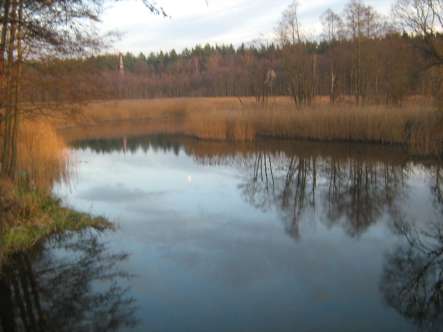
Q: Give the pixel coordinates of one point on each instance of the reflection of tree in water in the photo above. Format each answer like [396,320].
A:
[298,192]
[352,191]
[260,191]
[412,281]
[359,192]
[287,183]
[437,188]
[47,291]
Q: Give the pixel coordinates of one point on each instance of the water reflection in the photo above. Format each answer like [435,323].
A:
[287,183]
[348,185]
[353,190]
[412,281]
[130,145]
[216,223]
[73,283]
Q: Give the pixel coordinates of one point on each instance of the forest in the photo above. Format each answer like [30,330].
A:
[361,54]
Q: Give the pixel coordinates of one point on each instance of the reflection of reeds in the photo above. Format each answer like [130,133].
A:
[416,126]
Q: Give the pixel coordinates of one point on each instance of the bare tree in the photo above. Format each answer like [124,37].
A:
[421,17]
[362,25]
[332,25]
[332,32]
[300,66]
[424,20]
[289,29]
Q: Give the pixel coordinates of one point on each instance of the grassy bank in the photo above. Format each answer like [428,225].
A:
[29,217]
[416,125]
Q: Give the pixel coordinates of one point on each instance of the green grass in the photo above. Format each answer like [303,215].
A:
[34,216]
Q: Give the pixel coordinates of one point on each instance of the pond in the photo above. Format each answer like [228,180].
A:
[264,236]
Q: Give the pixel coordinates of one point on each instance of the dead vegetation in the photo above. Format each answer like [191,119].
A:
[43,156]
[415,125]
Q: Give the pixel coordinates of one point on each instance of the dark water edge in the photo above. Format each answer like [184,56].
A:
[264,236]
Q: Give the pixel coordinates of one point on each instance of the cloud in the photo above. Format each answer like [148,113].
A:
[222,21]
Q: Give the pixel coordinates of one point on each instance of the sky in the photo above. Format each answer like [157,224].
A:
[193,22]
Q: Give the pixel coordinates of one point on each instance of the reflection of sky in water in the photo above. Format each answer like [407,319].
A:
[205,259]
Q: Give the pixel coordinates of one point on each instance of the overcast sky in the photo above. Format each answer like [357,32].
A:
[221,21]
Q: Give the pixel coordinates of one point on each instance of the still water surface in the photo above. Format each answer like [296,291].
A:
[270,236]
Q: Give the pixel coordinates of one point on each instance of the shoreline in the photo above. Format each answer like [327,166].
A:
[417,128]
[31,217]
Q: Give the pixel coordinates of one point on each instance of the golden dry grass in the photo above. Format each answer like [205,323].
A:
[416,125]
[43,156]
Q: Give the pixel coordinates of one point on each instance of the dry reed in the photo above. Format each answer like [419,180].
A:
[43,156]
[416,125]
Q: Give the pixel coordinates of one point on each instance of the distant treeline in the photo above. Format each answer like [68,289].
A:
[389,71]
[361,54]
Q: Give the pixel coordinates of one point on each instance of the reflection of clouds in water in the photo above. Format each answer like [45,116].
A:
[333,187]
[236,255]
[220,243]
[151,209]
[117,194]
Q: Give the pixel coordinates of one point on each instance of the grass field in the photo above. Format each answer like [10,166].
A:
[415,125]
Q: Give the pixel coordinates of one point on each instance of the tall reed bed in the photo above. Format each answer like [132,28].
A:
[421,130]
[42,155]
[416,126]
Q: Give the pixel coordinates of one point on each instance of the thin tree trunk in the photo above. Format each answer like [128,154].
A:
[18,69]
[9,98]
[4,32]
